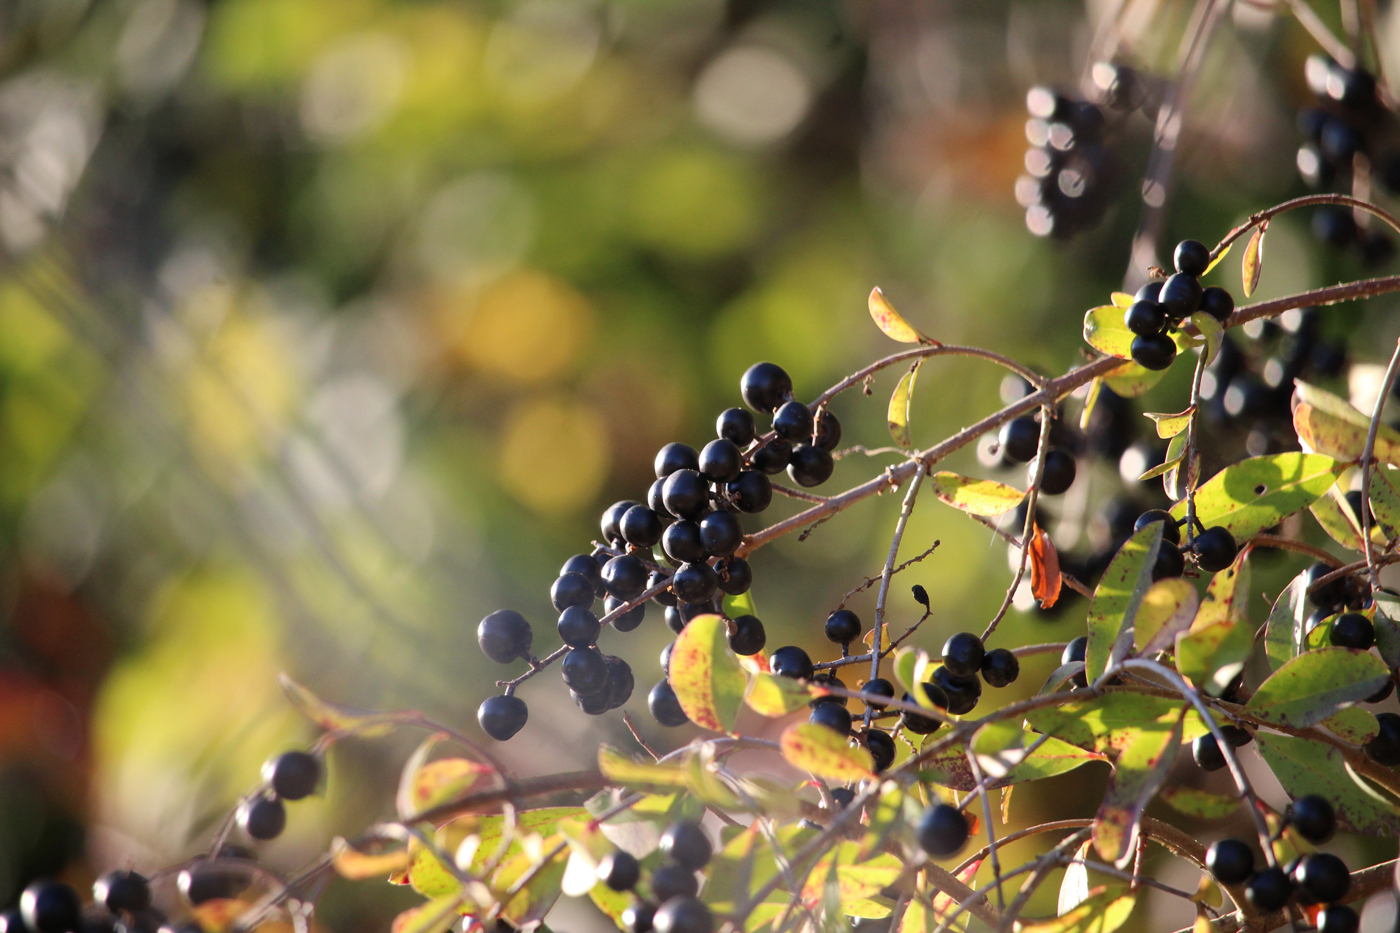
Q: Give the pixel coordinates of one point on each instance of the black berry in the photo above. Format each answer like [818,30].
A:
[681,542]
[832,715]
[1170,562]
[1313,817]
[122,889]
[1153,351]
[571,589]
[1150,291]
[578,628]
[721,533]
[612,518]
[772,458]
[672,880]
[588,567]
[686,843]
[637,916]
[50,907]
[1059,472]
[1145,318]
[1353,630]
[625,577]
[1191,257]
[628,620]
[1236,736]
[585,671]
[1381,695]
[751,492]
[694,583]
[1330,595]
[1215,549]
[793,422]
[293,775]
[686,494]
[735,425]
[963,692]
[1020,439]
[1217,302]
[594,704]
[619,870]
[827,431]
[765,386]
[502,716]
[262,817]
[842,627]
[1324,876]
[1230,861]
[720,461]
[1181,295]
[810,466]
[881,747]
[206,880]
[675,457]
[792,661]
[747,636]
[657,502]
[663,598]
[876,690]
[1269,890]
[963,654]
[920,595]
[917,722]
[1000,668]
[942,831]
[683,915]
[1384,749]
[504,635]
[842,797]
[620,681]
[640,526]
[664,706]
[1338,918]
[1206,750]
[1170,532]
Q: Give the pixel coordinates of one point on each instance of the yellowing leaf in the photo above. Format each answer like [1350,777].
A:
[1140,770]
[333,716]
[899,408]
[623,770]
[891,321]
[771,695]
[983,497]
[706,675]
[1199,803]
[1105,331]
[1171,425]
[1211,330]
[1131,380]
[1258,493]
[1167,609]
[1121,300]
[1253,262]
[1090,400]
[1328,424]
[355,865]
[436,916]
[1216,261]
[439,781]
[1106,910]
[825,753]
[1118,597]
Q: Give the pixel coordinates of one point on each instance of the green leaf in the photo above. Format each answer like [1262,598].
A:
[610,902]
[1356,725]
[1172,479]
[1122,300]
[436,916]
[1107,723]
[773,696]
[1140,770]
[334,717]
[1117,598]
[825,753]
[1106,910]
[1090,400]
[1387,628]
[1131,380]
[949,767]
[890,321]
[706,675]
[1199,803]
[976,496]
[1167,609]
[741,605]
[1315,685]
[1305,766]
[1211,330]
[1171,425]
[1252,263]
[1211,657]
[899,407]
[1334,521]
[1385,501]
[621,769]
[1283,633]
[1329,424]
[1105,331]
[1226,596]
[1258,493]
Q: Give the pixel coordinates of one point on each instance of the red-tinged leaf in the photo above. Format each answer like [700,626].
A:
[1131,380]
[1328,424]
[824,753]
[218,915]
[1170,425]
[1045,569]
[334,717]
[706,675]
[425,784]
[892,323]
[1138,773]
[1252,264]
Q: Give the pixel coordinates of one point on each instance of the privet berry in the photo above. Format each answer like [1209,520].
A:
[1170,562]
[612,519]
[917,722]
[882,749]
[504,635]
[687,844]
[1215,549]
[588,567]
[1230,861]
[736,426]
[672,880]
[942,831]
[842,797]
[1153,351]
[842,627]
[1324,876]
[735,575]
[686,494]
[1353,630]
[1000,668]
[793,421]
[619,870]
[620,681]
[633,617]
[834,716]
[683,915]
[1313,818]
[772,458]
[694,583]
[1384,749]
[572,589]
[720,461]
[827,431]
[809,465]
[578,628]
[1020,438]
[1170,531]
[1075,651]
[963,654]
[49,906]
[876,690]
[765,386]
[1338,918]
[681,542]
[721,533]
[625,577]
[292,775]
[1217,302]
[1269,890]
[1206,750]
[664,707]
[1191,257]
[751,491]
[501,717]
[640,526]
[675,457]
[585,671]
[962,692]
[262,817]
[1059,472]
[1145,318]
[746,635]
[792,661]
[122,889]
[1180,295]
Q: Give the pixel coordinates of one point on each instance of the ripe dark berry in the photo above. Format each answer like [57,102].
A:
[1145,318]
[842,627]
[612,518]
[1324,876]
[1353,630]
[1269,890]
[1313,817]
[630,619]
[1153,351]
[1384,749]
[963,654]
[664,706]
[1191,257]
[657,502]
[671,880]
[1059,472]
[1181,295]
[675,457]
[686,494]
[625,577]
[1020,438]
[585,671]
[11,921]
[1230,861]
[1074,651]
[502,716]
[1000,668]
[1330,595]
[571,589]
[1217,302]
[262,817]
[917,722]
[793,422]
[664,598]
[1206,750]
[675,620]
[637,917]
[942,831]
[578,628]
[765,386]
[1338,918]
[1215,549]
[963,692]
[881,747]
[875,690]
[1236,736]
[751,492]
[1151,291]
[747,636]
[720,461]
[686,843]
[50,907]
[594,704]
[504,635]
[1383,694]
[122,889]
[205,880]
[810,466]
[1170,562]
[694,583]
[619,870]
[793,662]
[683,915]
[640,526]
[829,679]
[832,715]
[842,797]
[293,775]
[827,431]
[1170,531]
[620,681]
[735,425]
[772,458]
[588,567]
[681,542]
[735,575]
[721,533]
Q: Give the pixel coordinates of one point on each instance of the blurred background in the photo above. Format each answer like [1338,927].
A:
[329,326]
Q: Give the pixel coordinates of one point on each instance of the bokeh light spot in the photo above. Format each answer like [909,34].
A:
[554,454]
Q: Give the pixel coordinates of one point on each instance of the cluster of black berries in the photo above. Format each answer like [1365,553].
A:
[1019,441]
[1214,548]
[121,901]
[1318,878]
[1161,306]
[1069,171]
[672,906]
[289,776]
[956,686]
[692,511]
[1347,120]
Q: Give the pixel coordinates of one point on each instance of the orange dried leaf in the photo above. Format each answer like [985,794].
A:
[1045,569]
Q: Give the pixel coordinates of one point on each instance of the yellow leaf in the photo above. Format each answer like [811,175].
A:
[977,496]
[357,866]
[1216,261]
[899,408]
[891,321]
[825,753]
[1106,910]
[773,696]
[1167,609]
[618,767]
[1122,300]
[1171,425]
[1105,331]
[1090,401]
[1253,262]
[706,675]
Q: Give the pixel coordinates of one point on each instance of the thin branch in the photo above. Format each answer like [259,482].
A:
[871,581]
[989,824]
[1367,455]
[798,494]
[1307,200]
[900,524]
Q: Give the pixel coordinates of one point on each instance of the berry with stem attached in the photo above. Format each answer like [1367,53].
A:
[1145,318]
[842,627]
[578,628]
[1153,351]
[293,775]
[809,465]
[1170,531]
[720,461]
[735,575]
[751,491]
[625,577]
[1191,257]
[1215,549]
[876,690]
[772,458]
[793,422]
[630,619]
[585,671]
[792,661]
[262,817]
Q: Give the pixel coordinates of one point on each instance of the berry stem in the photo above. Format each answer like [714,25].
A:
[904,512]
[1190,458]
[1367,455]
[871,581]
[1308,200]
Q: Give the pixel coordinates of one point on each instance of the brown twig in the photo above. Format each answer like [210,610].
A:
[871,581]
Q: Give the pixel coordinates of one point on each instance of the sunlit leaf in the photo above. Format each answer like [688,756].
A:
[1162,468]
[1117,598]
[436,916]
[771,695]
[1131,380]
[1260,492]
[1199,803]
[1305,766]
[425,784]
[1328,424]
[977,496]
[706,675]
[621,769]
[1385,501]
[949,767]
[1122,300]
[1387,628]
[899,408]
[1283,633]
[1226,596]
[1216,261]
[610,902]
[1354,724]
[1333,520]
[741,605]
[1140,770]
[1106,723]
[1104,911]
[1316,684]
[1252,263]
[1210,657]
[1167,608]
[1211,330]
[355,865]
[891,322]
[825,753]
[1045,569]
[1171,425]
[1090,400]
[1105,331]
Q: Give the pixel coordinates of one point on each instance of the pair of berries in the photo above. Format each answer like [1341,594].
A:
[1162,305]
